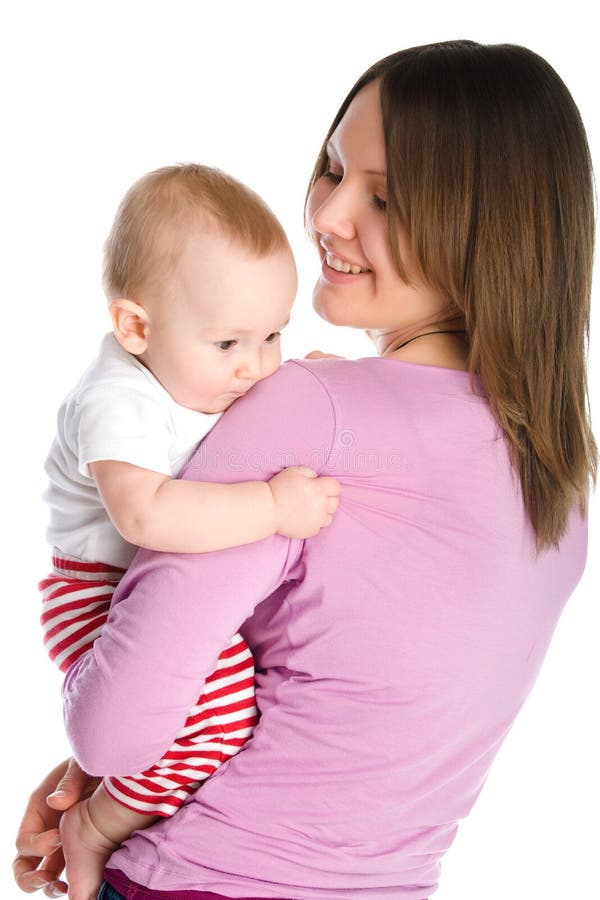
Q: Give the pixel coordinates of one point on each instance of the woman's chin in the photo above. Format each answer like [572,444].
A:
[332,310]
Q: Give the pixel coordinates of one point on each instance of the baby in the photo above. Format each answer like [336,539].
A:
[201,280]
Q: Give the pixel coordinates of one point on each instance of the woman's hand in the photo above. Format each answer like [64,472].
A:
[38,840]
[317,354]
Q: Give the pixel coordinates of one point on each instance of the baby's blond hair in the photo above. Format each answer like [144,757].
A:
[157,213]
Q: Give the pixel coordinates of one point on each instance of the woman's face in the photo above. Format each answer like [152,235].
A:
[347,212]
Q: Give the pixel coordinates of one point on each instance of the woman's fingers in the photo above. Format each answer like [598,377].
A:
[318,354]
[56,889]
[74,785]
[30,878]
[37,844]
[40,861]
[38,834]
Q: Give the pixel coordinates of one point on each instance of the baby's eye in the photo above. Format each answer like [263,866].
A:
[225,345]
[379,203]
[333,176]
[273,337]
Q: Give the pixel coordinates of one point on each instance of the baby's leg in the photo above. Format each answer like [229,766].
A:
[218,725]
[76,599]
[216,728]
[76,602]
[91,830]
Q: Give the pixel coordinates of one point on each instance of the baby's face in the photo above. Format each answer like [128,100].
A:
[220,333]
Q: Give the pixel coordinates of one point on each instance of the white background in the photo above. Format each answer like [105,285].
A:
[95,94]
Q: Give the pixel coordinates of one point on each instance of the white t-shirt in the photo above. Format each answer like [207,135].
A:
[118,410]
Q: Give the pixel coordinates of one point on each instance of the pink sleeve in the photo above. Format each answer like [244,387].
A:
[173,614]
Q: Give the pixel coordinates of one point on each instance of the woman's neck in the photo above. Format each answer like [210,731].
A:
[430,345]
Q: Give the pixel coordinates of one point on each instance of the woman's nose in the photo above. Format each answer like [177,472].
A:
[334,215]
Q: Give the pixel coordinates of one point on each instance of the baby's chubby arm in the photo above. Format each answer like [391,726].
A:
[91,831]
[156,512]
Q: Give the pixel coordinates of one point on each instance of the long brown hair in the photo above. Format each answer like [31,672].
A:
[489,173]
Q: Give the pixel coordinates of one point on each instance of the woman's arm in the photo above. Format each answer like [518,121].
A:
[172,614]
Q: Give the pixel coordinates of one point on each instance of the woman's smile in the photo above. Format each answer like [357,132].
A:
[341,263]
[335,275]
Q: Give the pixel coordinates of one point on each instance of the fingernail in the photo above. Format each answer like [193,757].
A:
[55,892]
[55,842]
[58,794]
[37,883]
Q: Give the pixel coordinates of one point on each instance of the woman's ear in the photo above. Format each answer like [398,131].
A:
[130,325]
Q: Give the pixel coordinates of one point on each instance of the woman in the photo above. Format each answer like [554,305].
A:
[451,205]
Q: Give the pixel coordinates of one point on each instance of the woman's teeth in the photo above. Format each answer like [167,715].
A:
[339,265]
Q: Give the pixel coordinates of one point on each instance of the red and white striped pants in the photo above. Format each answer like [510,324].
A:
[76,598]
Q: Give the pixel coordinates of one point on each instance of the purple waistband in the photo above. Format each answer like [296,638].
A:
[133,891]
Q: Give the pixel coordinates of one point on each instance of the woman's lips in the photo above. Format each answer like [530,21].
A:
[335,277]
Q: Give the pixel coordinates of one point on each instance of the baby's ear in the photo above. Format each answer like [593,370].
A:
[130,325]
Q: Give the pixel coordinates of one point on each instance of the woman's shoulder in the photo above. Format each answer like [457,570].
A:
[311,386]
[287,419]
[373,379]
[331,375]
[307,381]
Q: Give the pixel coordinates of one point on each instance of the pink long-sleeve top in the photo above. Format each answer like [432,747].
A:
[393,651]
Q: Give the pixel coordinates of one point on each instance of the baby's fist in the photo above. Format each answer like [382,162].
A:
[304,503]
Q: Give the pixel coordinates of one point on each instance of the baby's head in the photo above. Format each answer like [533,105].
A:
[200,279]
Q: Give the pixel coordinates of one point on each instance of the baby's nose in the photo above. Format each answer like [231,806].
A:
[251,367]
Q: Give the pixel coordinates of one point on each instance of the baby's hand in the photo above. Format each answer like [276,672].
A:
[304,503]
[316,354]
[86,851]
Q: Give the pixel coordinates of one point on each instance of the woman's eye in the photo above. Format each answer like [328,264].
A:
[379,202]
[225,345]
[273,337]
